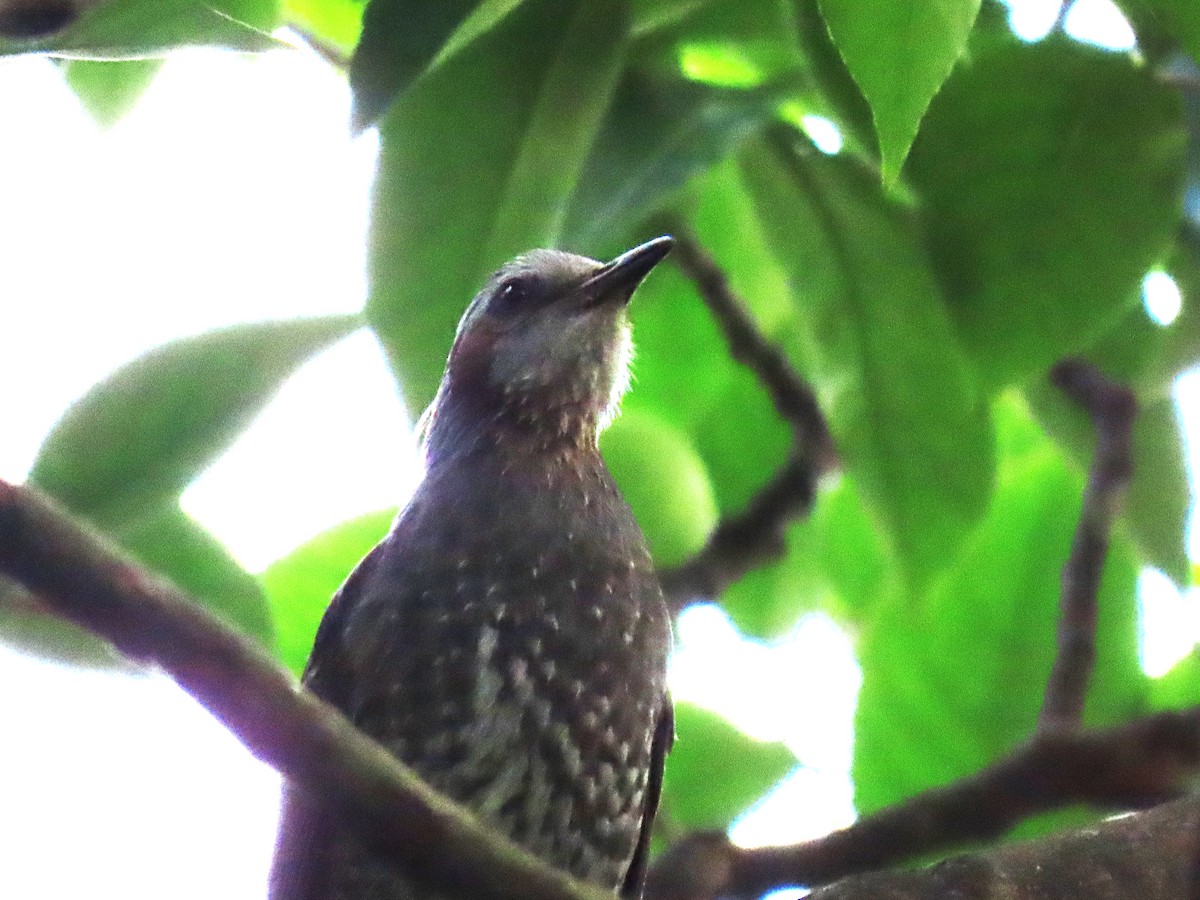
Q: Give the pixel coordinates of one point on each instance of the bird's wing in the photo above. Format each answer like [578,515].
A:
[322,675]
[664,737]
[304,823]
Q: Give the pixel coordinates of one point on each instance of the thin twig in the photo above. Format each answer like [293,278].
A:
[1112,409]
[333,56]
[1134,765]
[80,577]
[793,398]
[755,536]
[742,542]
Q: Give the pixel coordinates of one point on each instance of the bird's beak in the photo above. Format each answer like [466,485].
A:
[616,280]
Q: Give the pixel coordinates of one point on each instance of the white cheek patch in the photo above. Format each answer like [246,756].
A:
[621,361]
[579,363]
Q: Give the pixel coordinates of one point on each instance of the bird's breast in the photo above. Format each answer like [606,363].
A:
[514,653]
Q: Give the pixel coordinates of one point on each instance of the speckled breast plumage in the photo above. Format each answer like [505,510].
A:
[508,641]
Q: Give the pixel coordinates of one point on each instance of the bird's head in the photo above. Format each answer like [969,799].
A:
[543,350]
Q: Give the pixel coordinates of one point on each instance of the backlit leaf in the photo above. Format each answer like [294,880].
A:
[1052,176]
[300,586]
[715,771]
[900,54]
[478,163]
[139,437]
[888,369]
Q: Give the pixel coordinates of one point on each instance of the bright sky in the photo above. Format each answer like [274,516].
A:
[232,193]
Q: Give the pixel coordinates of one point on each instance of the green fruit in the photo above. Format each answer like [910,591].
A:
[665,481]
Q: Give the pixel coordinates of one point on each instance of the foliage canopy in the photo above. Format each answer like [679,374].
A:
[994,207]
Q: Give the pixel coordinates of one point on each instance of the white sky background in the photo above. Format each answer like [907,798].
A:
[232,193]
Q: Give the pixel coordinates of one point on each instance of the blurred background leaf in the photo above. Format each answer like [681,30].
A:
[899,54]
[134,29]
[954,679]
[121,456]
[397,43]
[109,89]
[300,586]
[138,438]
[716,771]
[478,162]
[887,366]
[1051,175]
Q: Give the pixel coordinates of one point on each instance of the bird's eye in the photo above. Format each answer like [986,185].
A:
[512,295]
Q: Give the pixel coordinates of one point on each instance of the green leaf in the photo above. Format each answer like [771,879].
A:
[952,682]
[665,483]
[836,562]
[1051,175]
[889,371]
[1180,687]
[300,586]
[681,365]
[743,44]
[108,90]
[136,29]
[334,23]
[482,19]
[840,97]
[1180,19]
[899,54]
[715,772]
[399,40]
[847,551]
[1145,354]
[650,16]
[768,600]
[742,440]
[727,224]
[659,133]
[122,455]
[172,544]
[1158,501]
[730,416]
[138,438]
[1176,347]
[478,163]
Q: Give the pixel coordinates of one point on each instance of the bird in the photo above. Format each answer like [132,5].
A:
[508,639]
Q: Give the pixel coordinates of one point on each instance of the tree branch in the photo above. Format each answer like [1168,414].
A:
[80,577]
[1133,765]
[756,535]
[793,398]
[333,56]
[1112,408]
[1149,855]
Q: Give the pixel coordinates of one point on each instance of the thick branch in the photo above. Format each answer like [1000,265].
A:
[1150,855]
[84,580]
[1134,765]
[755,536]
[1112,408]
